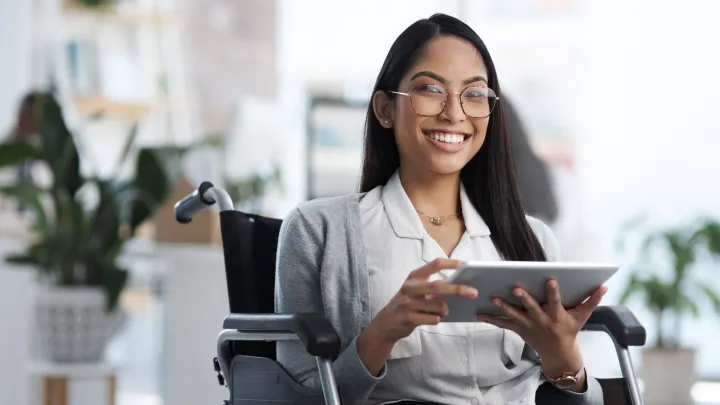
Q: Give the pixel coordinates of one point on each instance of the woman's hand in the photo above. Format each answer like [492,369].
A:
[419,302]
[550,331]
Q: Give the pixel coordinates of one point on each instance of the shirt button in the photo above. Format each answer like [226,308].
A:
[464,360]
[474,401]
[463,342]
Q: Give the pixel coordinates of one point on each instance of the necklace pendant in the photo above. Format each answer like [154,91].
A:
[436,221]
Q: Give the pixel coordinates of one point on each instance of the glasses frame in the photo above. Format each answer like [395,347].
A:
[444,105]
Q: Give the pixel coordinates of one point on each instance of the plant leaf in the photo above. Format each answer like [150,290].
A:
[129,143]
[711,295]
[684,303]
[58,147]
[151,185]
[683,253]
[22,259]
[15,152]
[30,194]
[632,288]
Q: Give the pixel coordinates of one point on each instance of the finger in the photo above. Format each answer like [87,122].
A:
[433,267]
[429,306]
[418,288]
[531,305]
[515,315]
[417,318]
[499,322]
[583,311]
[555,306]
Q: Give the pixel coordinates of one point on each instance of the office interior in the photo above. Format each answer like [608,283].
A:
[618,100]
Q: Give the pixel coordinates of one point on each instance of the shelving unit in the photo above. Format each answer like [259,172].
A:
[122,63]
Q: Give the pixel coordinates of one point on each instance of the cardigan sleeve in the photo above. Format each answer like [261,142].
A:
[297,290]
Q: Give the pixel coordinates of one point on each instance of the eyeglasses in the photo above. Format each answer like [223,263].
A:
[430,100]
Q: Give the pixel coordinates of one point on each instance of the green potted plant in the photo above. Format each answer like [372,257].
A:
[678,251]
[76,244]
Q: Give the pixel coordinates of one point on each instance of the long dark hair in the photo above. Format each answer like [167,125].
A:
[489,177]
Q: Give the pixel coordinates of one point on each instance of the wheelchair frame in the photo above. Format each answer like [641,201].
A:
[322,341]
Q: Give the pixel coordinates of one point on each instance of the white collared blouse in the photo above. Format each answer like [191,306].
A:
[449,363]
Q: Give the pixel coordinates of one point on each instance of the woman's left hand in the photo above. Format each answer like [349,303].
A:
[550,331]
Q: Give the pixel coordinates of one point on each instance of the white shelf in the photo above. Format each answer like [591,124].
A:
[123,16]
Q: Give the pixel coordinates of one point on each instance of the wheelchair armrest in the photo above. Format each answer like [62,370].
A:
[620,323]
[314,331]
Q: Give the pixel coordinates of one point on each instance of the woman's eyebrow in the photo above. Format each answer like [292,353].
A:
[474,79]
[442,80]
[430,75]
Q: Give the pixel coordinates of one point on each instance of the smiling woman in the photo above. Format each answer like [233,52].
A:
[438,187]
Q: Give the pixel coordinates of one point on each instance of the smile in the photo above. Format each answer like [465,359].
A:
[447,141]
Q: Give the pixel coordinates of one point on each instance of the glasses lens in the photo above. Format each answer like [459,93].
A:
[428,100]
[478,102]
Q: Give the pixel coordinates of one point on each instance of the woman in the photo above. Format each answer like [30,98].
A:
[437,187]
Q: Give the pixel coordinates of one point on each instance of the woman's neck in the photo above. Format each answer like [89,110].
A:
[432,194]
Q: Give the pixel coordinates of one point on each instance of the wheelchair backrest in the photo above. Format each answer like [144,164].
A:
[250,247]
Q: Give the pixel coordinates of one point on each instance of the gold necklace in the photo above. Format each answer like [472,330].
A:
[438,221]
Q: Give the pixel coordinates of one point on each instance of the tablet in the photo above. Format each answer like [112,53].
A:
[577,281]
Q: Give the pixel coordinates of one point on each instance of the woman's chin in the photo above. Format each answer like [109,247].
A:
[447,164]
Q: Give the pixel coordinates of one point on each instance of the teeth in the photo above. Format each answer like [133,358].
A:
[447,138]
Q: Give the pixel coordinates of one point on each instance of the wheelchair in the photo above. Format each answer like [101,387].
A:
[246,362]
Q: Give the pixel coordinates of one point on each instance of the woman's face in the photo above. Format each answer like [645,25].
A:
[445,142]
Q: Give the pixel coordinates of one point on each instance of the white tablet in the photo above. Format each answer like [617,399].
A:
[577,281]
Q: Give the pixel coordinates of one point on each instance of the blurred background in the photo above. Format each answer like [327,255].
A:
[267,98]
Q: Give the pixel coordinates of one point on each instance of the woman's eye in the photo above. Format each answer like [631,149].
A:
[428,88]
[475,93]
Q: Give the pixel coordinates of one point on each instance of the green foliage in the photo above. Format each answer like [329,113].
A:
[97,3]
[74,245]
[682,249]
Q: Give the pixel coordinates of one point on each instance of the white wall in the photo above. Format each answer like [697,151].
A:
[15,54]
[16,289]
[650,136]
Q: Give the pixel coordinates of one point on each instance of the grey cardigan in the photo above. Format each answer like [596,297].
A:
[321,268]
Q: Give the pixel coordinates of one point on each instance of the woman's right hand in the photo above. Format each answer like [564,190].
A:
[419,302]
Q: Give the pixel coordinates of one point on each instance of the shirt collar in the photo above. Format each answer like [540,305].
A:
[405,221]
[474,224]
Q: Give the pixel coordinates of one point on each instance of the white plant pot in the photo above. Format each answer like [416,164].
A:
[72,324]
[668,376]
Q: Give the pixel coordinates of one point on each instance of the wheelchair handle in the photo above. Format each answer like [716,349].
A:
[205,196]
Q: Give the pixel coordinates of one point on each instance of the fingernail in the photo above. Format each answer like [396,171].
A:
[471,292]
[497,303]
[553,284]
[518,293]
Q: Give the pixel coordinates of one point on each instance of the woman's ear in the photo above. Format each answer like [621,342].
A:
[383,108]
